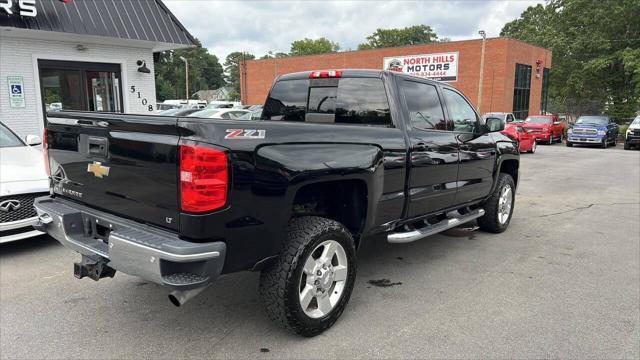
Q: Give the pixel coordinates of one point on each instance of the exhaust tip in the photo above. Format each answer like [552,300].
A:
[174,300]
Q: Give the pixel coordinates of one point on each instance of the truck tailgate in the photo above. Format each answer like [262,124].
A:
[122,164]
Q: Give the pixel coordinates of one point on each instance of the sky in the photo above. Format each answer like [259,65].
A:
[257,27]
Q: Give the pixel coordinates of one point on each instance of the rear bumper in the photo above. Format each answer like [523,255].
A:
[136,249]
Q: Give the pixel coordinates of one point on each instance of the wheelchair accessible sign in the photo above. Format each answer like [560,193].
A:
[16,91]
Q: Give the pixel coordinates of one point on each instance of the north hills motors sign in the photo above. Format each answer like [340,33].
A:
[21,7]
[441,67]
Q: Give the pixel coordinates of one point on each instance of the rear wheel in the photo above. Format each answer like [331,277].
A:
[499,207]
[308,287]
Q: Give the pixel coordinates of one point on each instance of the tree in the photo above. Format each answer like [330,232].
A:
[232,71]
[417,34]
[272,55]
[312,47]
[205,72]
[595,53]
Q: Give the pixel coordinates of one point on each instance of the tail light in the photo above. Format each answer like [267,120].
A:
[204,178]
[45,150]
[325,74]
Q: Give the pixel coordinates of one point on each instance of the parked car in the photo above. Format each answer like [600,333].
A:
[223,113]
[593,130]
[252,115]
[506,117]
[632,135]
[338,156]
[22,179]
[160,107]
[219,105]
[525,139]
[546,128]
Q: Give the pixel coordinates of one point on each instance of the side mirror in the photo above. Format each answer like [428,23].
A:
[33,140]
[494,124]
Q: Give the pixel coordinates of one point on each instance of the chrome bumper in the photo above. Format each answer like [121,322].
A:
[136,249]
[585,140]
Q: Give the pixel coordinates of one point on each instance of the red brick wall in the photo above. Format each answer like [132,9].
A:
[501,55]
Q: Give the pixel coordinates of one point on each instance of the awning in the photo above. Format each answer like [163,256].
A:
[145,20]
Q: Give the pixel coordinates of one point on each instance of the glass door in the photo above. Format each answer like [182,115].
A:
[71,85]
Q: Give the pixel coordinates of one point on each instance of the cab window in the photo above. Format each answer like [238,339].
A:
[462,114]
[423,104]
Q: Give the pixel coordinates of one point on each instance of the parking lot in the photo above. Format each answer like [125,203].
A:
[562,281]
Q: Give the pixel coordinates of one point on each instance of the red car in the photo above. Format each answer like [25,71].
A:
[547,128]
[526,140]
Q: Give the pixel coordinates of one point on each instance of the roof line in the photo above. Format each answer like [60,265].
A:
[175,19]
[401,47]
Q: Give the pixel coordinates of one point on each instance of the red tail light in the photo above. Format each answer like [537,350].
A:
[325,74]
[45,150]
[204,178]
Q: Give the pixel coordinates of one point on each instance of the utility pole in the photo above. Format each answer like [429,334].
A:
[186,77]
[484,41]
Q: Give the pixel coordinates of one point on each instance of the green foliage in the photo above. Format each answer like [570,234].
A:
[622,130]
[417,34]
[313,46]
[205,72]
[596,66]
[272,55]
[232,71]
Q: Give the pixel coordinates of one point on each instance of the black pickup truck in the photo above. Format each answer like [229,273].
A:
[337,156]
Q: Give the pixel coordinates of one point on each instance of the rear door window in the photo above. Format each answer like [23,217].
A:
[423,103]
[344,101]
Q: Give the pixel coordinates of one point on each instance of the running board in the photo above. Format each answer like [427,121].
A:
[409,236]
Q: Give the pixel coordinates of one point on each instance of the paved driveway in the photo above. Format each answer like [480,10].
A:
[563,281]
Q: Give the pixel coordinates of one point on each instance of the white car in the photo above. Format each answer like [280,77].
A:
[22,179]
[229,114]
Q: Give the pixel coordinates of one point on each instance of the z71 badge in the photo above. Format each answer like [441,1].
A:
[245,134]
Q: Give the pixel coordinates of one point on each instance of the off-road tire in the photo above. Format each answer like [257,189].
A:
[489,222]
[279,284]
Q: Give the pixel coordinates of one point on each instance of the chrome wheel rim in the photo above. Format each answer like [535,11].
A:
[533,147]
[504,204]
[323,279]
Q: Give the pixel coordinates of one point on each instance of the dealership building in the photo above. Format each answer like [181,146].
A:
[92,55]
[511,76]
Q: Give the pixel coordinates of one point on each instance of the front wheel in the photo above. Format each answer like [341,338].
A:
[551,139]
[499,207]
[604,143]
[627,146]
[569,144]
[309,286]
[533,147]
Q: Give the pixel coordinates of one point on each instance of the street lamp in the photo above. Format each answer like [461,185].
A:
[484,40]
[186,77]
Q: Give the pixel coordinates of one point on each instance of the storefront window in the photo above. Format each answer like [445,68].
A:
[521,91]
[80,86]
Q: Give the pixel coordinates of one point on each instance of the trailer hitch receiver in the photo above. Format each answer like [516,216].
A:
[93,269]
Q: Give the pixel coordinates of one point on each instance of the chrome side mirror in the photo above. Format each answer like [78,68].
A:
[32,140]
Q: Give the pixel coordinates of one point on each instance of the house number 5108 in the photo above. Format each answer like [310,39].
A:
[143,100]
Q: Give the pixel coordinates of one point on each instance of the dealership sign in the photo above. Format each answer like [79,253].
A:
[19,7]
[441,67]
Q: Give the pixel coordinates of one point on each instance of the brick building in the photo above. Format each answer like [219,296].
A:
[515,73]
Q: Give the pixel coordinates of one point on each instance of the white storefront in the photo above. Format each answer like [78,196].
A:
[45,64]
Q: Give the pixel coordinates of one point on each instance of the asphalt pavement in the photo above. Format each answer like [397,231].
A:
[562,282]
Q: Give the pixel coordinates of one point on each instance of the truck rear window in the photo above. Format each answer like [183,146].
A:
[345,100]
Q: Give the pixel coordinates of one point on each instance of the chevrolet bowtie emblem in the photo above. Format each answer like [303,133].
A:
[97,169]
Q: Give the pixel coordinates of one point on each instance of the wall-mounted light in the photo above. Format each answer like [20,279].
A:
[81,47]
[539,64]
[142,67]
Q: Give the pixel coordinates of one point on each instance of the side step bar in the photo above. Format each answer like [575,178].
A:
[409,236]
